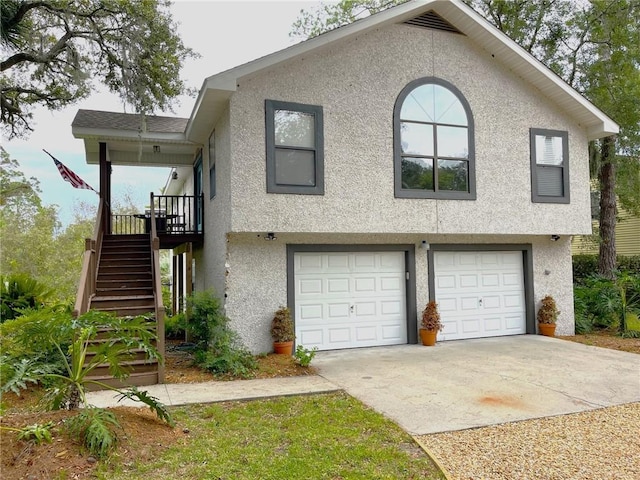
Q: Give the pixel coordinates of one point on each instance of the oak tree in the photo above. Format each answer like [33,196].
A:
[52,51]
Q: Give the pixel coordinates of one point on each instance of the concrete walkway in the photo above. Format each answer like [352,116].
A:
[210,392]
[454,385]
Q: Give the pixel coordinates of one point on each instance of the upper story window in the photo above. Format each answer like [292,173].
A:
[549,166]
[212,165]
[295,156]
[433,142]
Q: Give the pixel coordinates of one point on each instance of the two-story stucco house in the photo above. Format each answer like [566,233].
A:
[416,154]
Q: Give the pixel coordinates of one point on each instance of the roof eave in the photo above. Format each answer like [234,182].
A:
[217,90]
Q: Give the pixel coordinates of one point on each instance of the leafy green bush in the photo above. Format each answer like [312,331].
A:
[304,356]
[601,303]
[174,326]
[20,292]
[217,347]
[73,343]
[585,266]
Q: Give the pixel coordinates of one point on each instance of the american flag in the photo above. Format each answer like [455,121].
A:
[69,175]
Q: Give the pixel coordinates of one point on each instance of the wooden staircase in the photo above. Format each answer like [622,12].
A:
[124,286]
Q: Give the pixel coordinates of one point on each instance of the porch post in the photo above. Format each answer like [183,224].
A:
[174,285]
[105,185]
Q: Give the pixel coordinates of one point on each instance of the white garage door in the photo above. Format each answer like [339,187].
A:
[480,294]
[349,299]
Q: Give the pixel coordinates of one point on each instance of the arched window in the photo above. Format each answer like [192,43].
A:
[433,142]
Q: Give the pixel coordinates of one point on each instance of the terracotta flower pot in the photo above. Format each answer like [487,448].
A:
[547,329]
[283,348]
[428,337]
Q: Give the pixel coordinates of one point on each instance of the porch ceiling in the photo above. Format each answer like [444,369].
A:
[141,153]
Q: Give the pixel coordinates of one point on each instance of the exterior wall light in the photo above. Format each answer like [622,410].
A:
[555,238]
[270,236]
[424,245]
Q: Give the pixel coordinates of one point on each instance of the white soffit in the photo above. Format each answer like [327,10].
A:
[217,89]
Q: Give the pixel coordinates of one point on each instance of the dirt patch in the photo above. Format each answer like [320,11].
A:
[606,339]
[142,436]
[180,367]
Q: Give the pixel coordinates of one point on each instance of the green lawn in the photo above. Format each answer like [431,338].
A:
[330,436]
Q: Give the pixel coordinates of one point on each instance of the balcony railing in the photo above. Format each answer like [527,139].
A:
[174,215]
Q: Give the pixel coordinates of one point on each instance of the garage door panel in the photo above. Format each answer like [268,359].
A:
[490,280]
[339,335]
[489,302]
[337,285]
[313,287]
[391,284]
[480,294]
[366,334]
[391,307]
[336,311]
[362,297]
[311,337]
[446,281]
[336,261]
[492,325]
[364,262]
[365,309]
[514,322]
[310,312]
[365,284]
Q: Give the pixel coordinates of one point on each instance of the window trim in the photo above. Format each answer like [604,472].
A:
[535,197]
[212,165]
[272,187]
[397,148]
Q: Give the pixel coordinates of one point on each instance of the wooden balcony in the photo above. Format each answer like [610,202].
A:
[178,218]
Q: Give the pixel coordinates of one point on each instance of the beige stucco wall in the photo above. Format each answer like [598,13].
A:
[357,84]
[257,274]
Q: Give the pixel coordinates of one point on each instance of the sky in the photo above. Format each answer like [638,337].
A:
[224,33]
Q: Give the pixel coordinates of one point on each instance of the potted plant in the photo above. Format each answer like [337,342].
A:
[547,316]
[430,324]
[282,331]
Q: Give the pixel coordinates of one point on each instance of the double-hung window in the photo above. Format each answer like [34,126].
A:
[295,157]
[433,142]
[549,166]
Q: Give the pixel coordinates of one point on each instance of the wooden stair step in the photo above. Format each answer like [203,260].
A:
[124,311]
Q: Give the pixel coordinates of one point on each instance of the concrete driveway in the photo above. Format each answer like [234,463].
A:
[472,383]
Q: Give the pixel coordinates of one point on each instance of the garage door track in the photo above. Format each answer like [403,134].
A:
[473,383]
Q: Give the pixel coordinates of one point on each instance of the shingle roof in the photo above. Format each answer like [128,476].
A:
[128,121]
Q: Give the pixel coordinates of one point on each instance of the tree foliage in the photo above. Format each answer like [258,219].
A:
[33,241]
[51,51]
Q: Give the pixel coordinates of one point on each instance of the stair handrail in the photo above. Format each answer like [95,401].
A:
[157,288]
[89,273]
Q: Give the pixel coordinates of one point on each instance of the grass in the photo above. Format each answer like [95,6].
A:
[330,436]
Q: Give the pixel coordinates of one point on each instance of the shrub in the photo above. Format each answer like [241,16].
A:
[304,356]
[282,329]
[585,266]
[72,340]
[175,326]
[430,317]
[548,312]
[20,292]
[217,347]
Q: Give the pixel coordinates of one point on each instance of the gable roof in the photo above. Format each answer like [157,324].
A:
[217,89]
